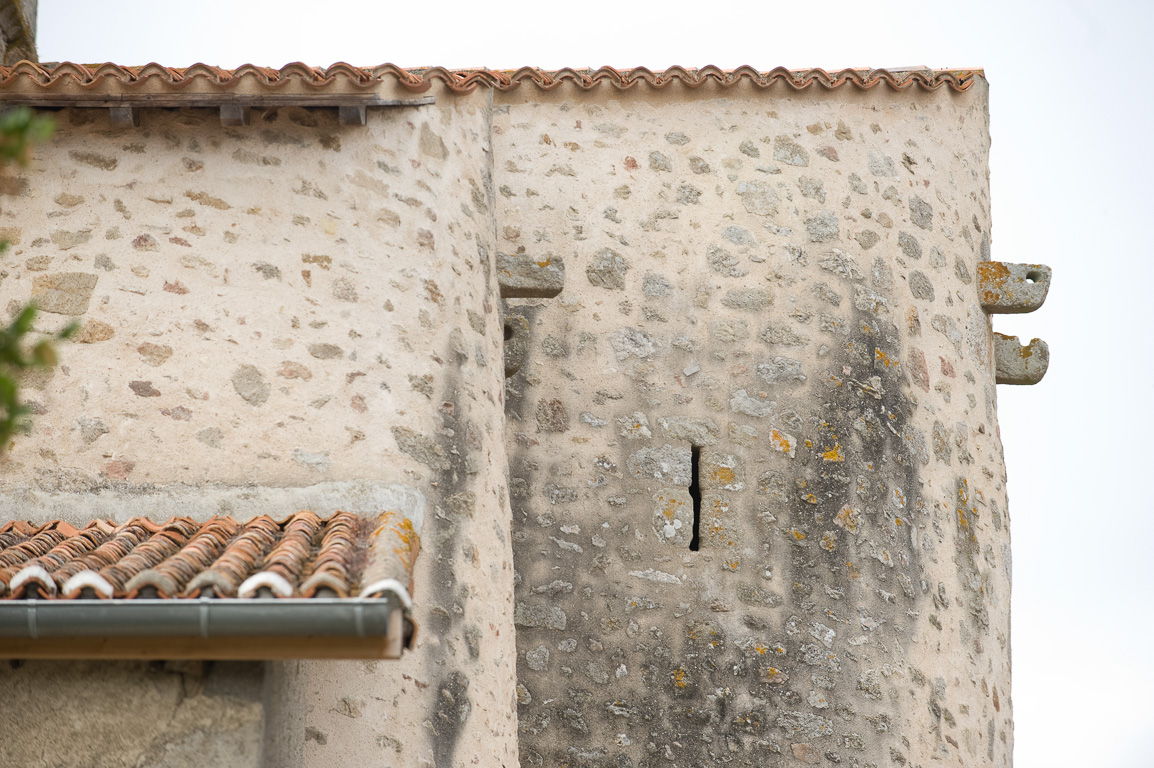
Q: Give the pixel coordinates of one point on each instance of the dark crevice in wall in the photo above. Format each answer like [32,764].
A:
[695,494]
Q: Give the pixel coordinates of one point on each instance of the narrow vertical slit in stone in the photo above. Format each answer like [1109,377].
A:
[695,494]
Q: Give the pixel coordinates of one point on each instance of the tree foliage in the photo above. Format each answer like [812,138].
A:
[20,129]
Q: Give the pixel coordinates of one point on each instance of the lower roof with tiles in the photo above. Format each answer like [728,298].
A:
[301,556]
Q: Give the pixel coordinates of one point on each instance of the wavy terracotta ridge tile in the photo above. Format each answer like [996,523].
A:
[419,80]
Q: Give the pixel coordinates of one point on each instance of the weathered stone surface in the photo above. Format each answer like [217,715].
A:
[421,448]
[751,299]
[548,616]
[66,240]
[326,351]
[824,487]
[213,713]
[143,389]
[552,416]
[822,227]
[758,198]
[920,286]
[335,280]
[250,384]
[667,463]
[1005,288]
[1017,364]
[921,212]
[850,563]
[516,343]
[523,276]
[64,293]
[694,431]
[154,354]
[608,269]
[788,151]
[94,331]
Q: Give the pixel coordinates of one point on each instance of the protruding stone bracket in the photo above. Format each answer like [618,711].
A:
[516,329]
[1015,364]
[522,276]
[1005,288]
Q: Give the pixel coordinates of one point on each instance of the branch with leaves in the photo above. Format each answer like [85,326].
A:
[20,129]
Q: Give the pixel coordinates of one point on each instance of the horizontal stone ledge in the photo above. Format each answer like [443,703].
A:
[1005,288]
[524,276]
[1017,364]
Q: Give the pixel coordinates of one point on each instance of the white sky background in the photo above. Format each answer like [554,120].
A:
[1071,173]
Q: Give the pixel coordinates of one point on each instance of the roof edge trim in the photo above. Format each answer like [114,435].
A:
[418,80]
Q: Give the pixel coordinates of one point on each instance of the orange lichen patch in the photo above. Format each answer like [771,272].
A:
[722,475]
[854,573]
[733,564]
[847,518]
[992,270]
[679,678]
[883,358]
[833,454]
[995,282]
[809,498]
[746,722]
[808,443]
[775,676]
[798,535]
[780,442]
[829,541]
[548,260]
[760,649]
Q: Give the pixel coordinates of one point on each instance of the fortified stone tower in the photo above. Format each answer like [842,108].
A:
[758,493]
[740,501]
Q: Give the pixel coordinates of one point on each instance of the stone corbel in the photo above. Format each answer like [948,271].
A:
[1010,289]
[522,276]
[1015,364]
[1005,288]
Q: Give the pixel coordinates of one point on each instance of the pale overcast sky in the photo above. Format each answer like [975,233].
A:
[1072,164]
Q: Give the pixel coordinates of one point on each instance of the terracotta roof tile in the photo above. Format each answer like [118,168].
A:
[28,75]
[300,556]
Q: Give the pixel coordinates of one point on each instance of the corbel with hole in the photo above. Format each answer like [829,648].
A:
[1007,288]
